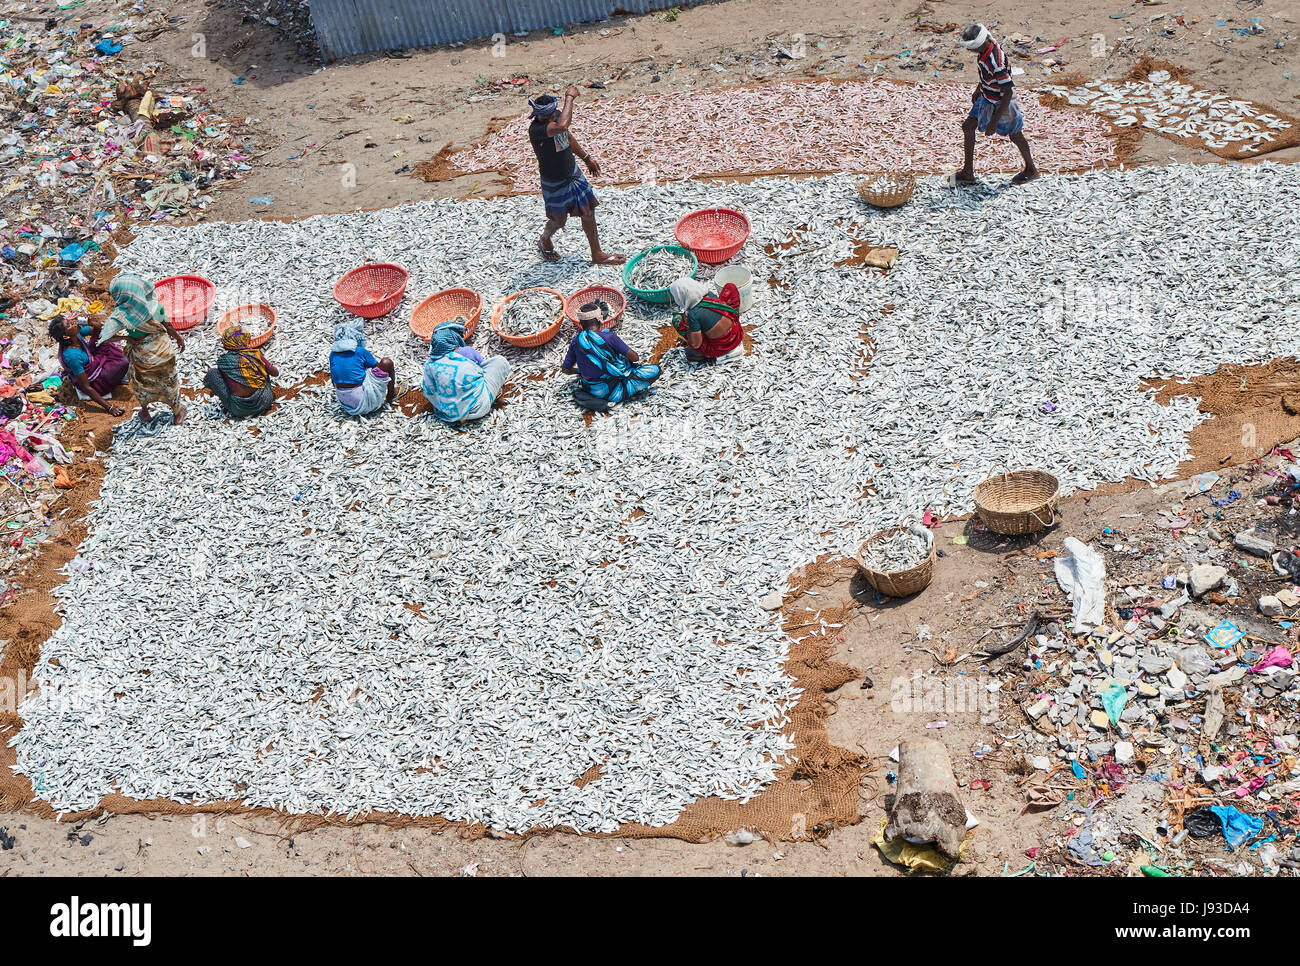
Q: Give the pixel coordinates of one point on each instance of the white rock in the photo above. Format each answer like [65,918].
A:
[1205,577]
[1123,752]
[1270,606]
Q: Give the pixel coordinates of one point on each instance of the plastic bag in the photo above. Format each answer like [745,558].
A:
[1082,574]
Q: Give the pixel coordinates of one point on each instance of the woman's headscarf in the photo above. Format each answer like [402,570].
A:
[348,336]
[137,310]
[241,361]
[446,339]
[686,293]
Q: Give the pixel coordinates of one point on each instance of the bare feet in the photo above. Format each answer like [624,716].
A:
[548,251]
[965,177]
[144,414]
[1026,176]
[604,258]
[178,416]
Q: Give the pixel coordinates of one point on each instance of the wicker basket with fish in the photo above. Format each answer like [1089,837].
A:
[899,561]
[530,317]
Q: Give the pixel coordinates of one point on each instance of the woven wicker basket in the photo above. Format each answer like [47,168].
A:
[534,339]
[887,190]
[898,583]
[444,306]
[1018,503]
[257,319]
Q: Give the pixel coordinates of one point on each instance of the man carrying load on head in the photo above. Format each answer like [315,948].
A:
[564,189]
[994,107]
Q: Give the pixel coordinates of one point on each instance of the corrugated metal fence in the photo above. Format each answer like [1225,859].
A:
[346,27]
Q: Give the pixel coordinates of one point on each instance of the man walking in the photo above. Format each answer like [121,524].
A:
[994,108]
[564,189]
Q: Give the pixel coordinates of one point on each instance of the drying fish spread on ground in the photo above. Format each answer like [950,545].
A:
[846,125]
[387,614]
[1229,126]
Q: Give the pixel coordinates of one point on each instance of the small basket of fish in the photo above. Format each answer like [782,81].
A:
[450,305]
[530,317]
[713,234]
[1017,503]
[648,274]
[609,302]
[899,561]
[187,299]
[371,291]
[257,319]
[888,190]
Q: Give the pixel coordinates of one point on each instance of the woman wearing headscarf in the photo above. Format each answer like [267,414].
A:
[94,368]
[148,336]
[242,377]
[606,367]
[459,383]
[362,383]
[710,326]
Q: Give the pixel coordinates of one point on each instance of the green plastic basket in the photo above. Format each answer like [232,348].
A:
[657,295]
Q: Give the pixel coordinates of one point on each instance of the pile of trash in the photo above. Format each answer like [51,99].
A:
[292,18]
[91,146]
[32,461]
[1164,708]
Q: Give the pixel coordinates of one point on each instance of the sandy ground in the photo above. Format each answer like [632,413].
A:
[317,121]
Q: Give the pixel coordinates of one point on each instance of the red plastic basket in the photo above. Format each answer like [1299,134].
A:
[444,306]
[616,299]
[713,234]
[258,320]
[371,290]
[536,338]
[187,299]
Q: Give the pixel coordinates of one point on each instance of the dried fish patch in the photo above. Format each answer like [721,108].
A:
[237,624]
[841,125]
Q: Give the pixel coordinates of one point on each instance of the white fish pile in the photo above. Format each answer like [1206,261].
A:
[530,312]
[658,269]
[1179,110]
[338,615]
[901,550]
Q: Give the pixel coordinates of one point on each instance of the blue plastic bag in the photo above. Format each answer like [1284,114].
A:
[1237,826]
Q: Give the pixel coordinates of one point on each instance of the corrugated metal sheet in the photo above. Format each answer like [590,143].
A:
[346,27]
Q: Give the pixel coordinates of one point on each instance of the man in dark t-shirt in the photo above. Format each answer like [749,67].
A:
[564,189]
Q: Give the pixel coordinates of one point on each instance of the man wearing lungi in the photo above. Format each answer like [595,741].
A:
[564,189]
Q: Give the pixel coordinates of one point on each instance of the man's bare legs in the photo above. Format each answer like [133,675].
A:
[967,174]
[598,257]
[546,244]
[1030,172]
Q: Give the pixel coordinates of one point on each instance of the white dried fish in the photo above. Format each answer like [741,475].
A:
[658,269]
[339,615]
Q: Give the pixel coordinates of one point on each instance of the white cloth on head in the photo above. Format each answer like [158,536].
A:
[686,293]
[979,40]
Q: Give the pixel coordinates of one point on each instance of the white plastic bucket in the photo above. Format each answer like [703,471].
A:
[742,279]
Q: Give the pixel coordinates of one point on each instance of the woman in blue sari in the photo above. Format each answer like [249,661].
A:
[459,383]
[606,367]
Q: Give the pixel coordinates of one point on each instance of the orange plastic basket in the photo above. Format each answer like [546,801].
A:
[187,299]
[537,338]
[616,299]
[257,319]
[451,303]
[371,290]
[713,234]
